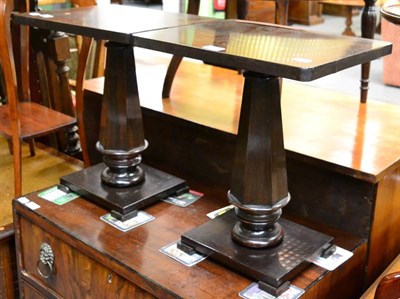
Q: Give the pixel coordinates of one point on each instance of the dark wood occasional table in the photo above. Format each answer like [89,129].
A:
[250,239]
[120,183]
[259,184]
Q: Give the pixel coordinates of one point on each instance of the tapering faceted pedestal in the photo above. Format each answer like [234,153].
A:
[122,184]
[252,239]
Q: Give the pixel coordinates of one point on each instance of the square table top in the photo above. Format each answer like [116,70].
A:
[271,49]
[260,47]
[108,22]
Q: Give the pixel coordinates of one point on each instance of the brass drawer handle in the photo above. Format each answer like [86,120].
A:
[46,260]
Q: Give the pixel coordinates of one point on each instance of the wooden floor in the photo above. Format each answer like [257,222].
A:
[40,171]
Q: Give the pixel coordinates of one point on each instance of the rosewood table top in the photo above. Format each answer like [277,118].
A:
[266,48]
[111,22]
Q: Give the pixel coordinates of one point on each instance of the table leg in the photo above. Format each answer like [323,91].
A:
[121,130]
[193,8]
[122,183]
[250,239]
[259,183]
[170,76]
[242,7]
[368,24]
[349,16]
[282,12]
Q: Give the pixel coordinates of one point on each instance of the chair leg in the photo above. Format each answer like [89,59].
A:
[16,145]
[31,143]
[10,147]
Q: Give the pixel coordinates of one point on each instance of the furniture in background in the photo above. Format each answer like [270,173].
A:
[391,11]
[305,12]
[23,119]
[387,285]
[282,9]
[391,32]
[349,6]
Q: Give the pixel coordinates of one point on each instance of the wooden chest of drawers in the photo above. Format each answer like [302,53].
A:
[72,275]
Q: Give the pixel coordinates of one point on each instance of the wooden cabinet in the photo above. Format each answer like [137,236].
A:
[305,12]
[73,274]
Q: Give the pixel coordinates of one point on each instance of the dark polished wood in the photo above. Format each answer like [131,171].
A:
[368,25]
[259,148]
[94,259]
[298,63]
[57,44]
[124,203]
[122,141]
[259,199]
[362,163]
[308,55]
[112,25]
[213,239]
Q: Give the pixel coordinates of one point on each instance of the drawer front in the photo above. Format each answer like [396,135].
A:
[28,292]
[71,274]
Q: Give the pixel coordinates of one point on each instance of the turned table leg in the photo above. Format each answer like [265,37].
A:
[259,183]
[253,239]
[121,130]
[368,24]
[122,184]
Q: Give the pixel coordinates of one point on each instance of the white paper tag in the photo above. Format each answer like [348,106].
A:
[302,60]
[174,252]
[254,292]
[213,48]
[220,211]
[23,200]
[140,219]
[47,16]
[33,206]
[334,260]
[57,195]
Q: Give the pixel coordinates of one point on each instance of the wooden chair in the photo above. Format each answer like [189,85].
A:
[84,47]
[389,287]
[22,119]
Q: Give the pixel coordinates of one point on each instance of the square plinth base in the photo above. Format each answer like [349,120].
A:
[124,201]
[273,266]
